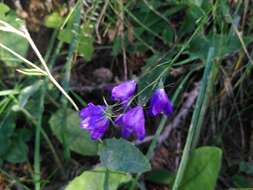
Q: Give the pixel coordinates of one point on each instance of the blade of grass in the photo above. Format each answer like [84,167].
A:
[68,66]
[195,126]
[8,92]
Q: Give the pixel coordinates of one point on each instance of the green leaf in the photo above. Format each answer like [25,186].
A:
[242,181]
[13,148]
[121,155]
[13,41]
[17,151]
[7,127]
[94,180]
[65,35]
[85,41]
[85,47]
[202,169]
[3,9]
[76,138]
[54,20]
[116,47]
[223,44]
[161,176]
[246,167]
[168,35]
[27,92]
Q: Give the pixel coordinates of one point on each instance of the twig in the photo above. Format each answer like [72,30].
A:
[178,119]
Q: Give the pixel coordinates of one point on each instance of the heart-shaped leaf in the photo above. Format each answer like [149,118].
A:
[94,180]
[121,155]
[77,139]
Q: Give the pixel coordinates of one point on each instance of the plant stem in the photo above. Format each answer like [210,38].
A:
[194,130]
[37,139]
[151,148]
[51,78]
[106,179]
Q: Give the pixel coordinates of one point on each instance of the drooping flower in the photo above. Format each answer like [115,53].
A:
[132,123]
[124,91]
[94,120]
[160,103]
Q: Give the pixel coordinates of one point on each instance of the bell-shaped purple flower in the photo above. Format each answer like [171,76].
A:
[94,120]
[160,103]
[124,91]
[132,123]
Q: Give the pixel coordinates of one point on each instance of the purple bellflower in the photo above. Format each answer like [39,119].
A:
[124,91]
[160,103]
[94,120]
[132,123]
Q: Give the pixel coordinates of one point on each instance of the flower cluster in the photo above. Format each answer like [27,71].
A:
[95,120]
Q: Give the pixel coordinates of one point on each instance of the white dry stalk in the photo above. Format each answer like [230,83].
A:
[25,34]
[23,59]
[8,28]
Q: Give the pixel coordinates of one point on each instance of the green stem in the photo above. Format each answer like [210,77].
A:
[51,45]
[37,140]
[194,130]
[106,180]
[151,148]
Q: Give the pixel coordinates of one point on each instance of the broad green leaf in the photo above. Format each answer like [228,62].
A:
[54,20]
[121,155]
[76,138]
[13,41]
[94,180]
[203,169]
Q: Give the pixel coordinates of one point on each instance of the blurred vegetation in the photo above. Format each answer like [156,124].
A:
[191,46]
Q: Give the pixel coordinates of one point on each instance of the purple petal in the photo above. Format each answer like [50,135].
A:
[160,103]
[132,122]
[126,131]
[94,120]
[119,120]
[124,91]
[92,109]
[168,109]
[99,128]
